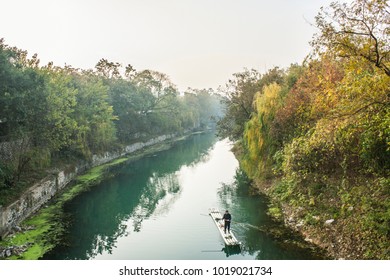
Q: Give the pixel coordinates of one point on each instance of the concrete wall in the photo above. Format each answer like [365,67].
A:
[40,193]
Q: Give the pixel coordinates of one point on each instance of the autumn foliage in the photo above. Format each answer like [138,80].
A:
[319,140]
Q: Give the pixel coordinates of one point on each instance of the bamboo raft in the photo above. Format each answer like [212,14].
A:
[228,238]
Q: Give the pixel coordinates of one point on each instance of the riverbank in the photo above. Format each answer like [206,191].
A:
[37,234]
[343,231]
[345,215]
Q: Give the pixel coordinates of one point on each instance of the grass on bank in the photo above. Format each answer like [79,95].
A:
[44,229]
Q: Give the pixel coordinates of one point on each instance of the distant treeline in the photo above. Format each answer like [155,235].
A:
[50,113]
[316,136]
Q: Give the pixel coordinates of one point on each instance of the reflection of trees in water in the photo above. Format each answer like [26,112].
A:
[241,186]
[231,193]
[159,191]
[202,157]
[143,188]
[162,187]
[261,236]
[102,243]
[194,151]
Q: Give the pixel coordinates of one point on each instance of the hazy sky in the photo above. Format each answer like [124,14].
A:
[197,43]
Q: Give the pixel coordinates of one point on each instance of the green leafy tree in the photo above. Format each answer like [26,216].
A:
[94,115]
[23,107]
[126,103]
[158,88]
[61,102]
[206,105]
[108,69]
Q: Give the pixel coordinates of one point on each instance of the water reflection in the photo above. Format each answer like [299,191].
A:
[118,207]
[231,250]
[160,192]
[156,208]
[262,237]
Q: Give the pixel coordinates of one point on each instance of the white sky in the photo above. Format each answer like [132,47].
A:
[197,43]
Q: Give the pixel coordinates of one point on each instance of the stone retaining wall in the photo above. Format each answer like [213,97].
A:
[40,193]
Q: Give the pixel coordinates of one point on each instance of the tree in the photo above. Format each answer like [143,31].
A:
[239,94]
[108,69]
[23,110]
[357,34]
[258,144]
[360,29]
[205,104]
[157,99]
[61,103]
[94,115]
[127,103]
[160,88]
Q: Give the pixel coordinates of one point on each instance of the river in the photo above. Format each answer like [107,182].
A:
[157,208]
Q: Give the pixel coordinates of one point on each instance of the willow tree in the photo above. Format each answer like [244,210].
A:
[239,96]
[258,142]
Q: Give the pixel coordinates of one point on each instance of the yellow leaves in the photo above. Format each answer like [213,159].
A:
[253,139]
[362,89]
[256,135]
[267,101]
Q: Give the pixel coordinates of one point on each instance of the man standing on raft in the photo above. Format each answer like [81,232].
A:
[227,218]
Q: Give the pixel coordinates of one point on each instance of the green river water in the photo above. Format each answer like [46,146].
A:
[157,208]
